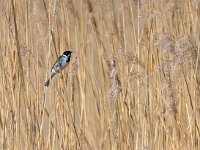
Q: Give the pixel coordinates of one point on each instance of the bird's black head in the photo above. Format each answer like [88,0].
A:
[67,53]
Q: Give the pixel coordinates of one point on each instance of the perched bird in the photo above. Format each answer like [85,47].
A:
[59,65]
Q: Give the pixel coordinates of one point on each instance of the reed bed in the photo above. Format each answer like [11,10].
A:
[133,81]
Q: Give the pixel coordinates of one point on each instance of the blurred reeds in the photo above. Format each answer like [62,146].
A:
[133,82]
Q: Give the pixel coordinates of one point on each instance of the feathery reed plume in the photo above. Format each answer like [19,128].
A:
[116,83]
[2,7]
[83,140]
[129,57]
[185,50]
[50,14]
[52,11]
[89,109]
[171,100]
[176,54]
[113,96]
[164,41]
[144,35]
[186,57]
[74,65]
[196,4]
[171,6]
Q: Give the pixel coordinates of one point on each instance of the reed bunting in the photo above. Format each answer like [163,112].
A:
[59,65]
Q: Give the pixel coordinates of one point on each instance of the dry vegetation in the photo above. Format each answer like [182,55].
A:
[133,82]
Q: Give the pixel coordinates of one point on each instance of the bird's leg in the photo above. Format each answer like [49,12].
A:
[61,76]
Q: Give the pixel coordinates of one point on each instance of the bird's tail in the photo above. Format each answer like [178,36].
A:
[47,83]
[48,80]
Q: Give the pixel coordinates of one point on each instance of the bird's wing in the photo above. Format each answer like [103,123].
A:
[56,65]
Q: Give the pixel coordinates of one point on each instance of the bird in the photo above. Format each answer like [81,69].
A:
[60,64]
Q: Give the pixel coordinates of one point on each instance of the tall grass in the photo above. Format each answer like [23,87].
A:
[133,81]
